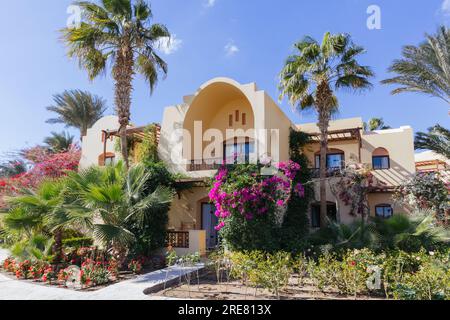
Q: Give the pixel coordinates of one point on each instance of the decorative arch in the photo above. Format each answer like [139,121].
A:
[213,106]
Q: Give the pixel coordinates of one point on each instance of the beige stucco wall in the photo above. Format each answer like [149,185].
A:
[400,145]
[92,145]
[186,208]
[212,104]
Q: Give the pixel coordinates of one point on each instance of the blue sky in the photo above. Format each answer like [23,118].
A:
[247,40]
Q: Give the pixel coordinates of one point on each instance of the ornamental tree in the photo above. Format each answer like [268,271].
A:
[425,190]
[42,165]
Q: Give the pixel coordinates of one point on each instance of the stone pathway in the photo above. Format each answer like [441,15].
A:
[132,289]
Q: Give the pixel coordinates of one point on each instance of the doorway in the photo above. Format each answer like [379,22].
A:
[315,214]
[209,221]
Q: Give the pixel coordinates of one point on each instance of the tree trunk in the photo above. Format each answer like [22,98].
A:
[58,247]
[123,76]
[324,97]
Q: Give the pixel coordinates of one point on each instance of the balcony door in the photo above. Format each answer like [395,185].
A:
[209,221]
[238,152]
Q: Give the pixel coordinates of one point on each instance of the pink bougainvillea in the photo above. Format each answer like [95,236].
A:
[256,199]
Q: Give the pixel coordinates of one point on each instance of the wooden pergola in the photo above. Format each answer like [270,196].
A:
[136,132]
[351,134]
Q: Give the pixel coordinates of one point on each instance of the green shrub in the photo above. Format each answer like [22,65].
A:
[78,242]
[274,271]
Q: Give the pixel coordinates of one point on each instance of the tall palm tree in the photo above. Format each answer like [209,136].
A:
[77,109]
[59,142]
[118,31]
[424,68]
[309,78]
[437,139]
[375,124]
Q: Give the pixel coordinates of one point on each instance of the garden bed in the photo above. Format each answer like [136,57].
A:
[207,288]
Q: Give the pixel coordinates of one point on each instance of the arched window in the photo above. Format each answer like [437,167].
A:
[383,211]
[106,159]
[380,159]
[335,159]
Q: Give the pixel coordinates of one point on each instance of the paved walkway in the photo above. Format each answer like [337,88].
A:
[133,289]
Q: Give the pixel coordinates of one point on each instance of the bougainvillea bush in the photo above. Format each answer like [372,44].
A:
[251,206]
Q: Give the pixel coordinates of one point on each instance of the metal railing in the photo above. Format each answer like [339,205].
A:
[216,163]
[178,239]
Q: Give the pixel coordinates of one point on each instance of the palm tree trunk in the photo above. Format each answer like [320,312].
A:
[323,125]
[323,98]
[123,75]
[58,247]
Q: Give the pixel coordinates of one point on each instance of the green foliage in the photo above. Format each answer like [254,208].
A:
[77,109]
[401,232]
[147,150]
[423,68]
[295,227]
[437,139]
[59,142]
[78,242]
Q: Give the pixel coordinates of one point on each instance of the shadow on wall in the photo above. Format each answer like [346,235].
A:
[393,176]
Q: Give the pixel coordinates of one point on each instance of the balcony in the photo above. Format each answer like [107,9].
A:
[216,163]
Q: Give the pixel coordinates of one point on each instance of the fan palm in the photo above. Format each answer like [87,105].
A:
[77,109]
[39,212]
[410,233]
[424,68]
[309,77]
[59,142]
[116,197]
[119,31]
[437,139]
[375,124]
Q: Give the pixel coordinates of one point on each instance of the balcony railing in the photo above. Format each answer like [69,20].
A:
[178,239]
[216,163]
[338,171]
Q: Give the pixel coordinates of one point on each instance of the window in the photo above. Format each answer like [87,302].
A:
[383,211]
[230,120]
[380,159]
[334,160]
[237,115]
[241,151]
[244,119]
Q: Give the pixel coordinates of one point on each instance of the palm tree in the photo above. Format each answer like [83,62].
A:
[437,139]
[375,124]
[425,68]
[118,197]
[59,142]
[39,212]
[309,77]
[77,109]
[118,31]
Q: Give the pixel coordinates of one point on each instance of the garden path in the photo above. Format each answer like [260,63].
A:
[132,289]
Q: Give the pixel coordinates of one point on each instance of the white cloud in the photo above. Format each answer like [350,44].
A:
[231,48]
[210,3]
[169,45]
[445,7]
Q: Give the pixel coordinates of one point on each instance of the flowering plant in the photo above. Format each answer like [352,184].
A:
[49,275]
[253,195]
[135,266]
[94,273]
